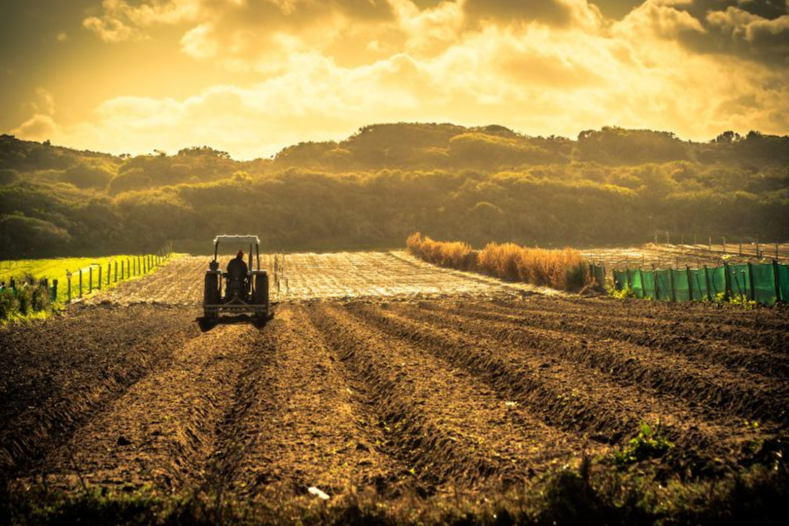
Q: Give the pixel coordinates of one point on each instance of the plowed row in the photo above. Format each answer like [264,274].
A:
[430,397]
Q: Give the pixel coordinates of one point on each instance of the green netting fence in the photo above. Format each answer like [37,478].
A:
[763,283]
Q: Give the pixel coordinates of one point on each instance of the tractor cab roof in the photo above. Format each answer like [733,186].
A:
[232,239]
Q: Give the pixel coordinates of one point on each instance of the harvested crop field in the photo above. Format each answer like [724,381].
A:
[390,384]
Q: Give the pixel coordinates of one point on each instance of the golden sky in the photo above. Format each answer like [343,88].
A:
[252,76]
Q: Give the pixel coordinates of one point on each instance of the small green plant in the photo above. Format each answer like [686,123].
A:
[648,444]
[626,292]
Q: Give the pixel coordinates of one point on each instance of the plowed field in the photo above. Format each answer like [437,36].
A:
[380,375]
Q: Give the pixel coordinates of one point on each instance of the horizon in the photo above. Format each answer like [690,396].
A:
[740,133]
[251,78]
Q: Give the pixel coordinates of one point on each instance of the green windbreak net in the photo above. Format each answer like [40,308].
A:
[681,285]
[664,285]
[620,280]
[709,283]
[764,284]
[635,283]
[740,281]
[648,279]
[717,281]
[783,282]
[698,284]
[598,271]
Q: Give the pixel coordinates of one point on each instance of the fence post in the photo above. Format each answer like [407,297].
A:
[68,278]
[727,282]
[751,281]
[777,280]
[673,289]
[116,271]
[54,294]
[109,272]
[80,283]
[99,282]
[657,288]
[690,283]
[123,270]
[707,282]
[90,280]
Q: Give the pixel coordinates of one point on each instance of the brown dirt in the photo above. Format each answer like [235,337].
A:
[428,382]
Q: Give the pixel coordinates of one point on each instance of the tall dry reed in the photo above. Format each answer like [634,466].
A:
[561,269]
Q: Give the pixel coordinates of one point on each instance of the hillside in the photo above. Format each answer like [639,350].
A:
[386,181]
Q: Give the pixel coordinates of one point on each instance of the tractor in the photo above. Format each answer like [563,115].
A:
[236,293]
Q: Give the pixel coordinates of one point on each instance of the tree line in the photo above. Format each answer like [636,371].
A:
[386,181]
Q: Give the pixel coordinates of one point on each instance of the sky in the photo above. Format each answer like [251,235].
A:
[252,76]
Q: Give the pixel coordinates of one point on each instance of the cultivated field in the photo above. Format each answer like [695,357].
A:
[381,375]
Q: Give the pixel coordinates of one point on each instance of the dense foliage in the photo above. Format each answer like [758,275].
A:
[386,181]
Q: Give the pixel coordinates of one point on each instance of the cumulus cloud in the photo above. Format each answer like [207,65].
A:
[751,29]
[324,68]
[37,128]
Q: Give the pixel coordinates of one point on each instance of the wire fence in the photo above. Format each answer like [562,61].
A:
[77,284]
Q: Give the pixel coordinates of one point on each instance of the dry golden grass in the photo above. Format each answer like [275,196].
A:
[561,269]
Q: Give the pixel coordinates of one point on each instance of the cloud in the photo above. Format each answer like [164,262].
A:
[755,30]
[560,13]
[37,128]
[119,21]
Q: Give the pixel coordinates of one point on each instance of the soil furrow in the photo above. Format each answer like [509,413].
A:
[514,441]
[156,434]
[755,328]
[61,373]
[296,423]
[666,338]
[765,333]
[663,373]
[422,429]
[564,394]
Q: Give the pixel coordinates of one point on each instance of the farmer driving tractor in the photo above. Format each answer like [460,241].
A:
[237,284]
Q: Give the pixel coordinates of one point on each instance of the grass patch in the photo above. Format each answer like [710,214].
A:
[31,302]
[593,494]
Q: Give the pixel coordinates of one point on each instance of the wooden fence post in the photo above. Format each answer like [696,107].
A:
[777,281]
[68,278]
[727,281]
[673,289]
[116,272]
[90,280]
[99,267]
[690,283]
[80,283]
[751,280]
[54,290]
[707,282]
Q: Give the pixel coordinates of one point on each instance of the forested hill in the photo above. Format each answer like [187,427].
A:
[386,181]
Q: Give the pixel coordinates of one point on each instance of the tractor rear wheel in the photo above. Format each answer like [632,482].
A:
[210,295]
[260,294]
